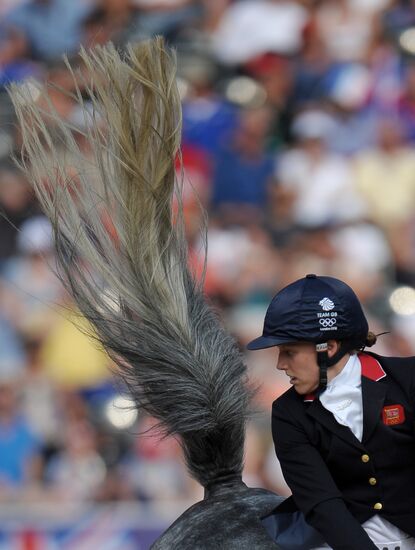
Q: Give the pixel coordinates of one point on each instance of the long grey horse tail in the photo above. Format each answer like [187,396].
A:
[116,211]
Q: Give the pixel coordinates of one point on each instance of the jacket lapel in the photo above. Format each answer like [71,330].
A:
[373,393]
[373,396]
[326,418]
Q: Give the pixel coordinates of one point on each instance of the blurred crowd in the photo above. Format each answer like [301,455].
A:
[299,141]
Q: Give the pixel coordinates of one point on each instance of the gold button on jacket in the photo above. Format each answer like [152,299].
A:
[373,481]
[365,458]
[378,506]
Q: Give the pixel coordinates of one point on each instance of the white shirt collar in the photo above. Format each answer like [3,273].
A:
[350,375]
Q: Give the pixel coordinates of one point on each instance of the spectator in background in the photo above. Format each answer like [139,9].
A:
[364,256]
[98,29]
[243,262]
[208,119]
[30,286]
[275,74]
[70,357]
[12,353]
[312,65]
[319,183]
[17,204]
[355,119]
[346,30]
[47,29]
[115,20]
[60,92]
[153,470]
[15,62]
[12,50]
[250,28]
[77,471]
[19,448]
[40,398]
[213,13]
[244,170]
[385,176]
[386,73]
[168,17]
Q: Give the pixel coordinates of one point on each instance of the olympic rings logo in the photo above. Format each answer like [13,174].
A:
[327,322]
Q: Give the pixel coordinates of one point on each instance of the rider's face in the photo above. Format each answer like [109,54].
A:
[299,362]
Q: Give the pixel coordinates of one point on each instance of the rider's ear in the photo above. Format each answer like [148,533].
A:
[333,347]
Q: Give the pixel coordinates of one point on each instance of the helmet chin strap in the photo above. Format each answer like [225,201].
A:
[324,361]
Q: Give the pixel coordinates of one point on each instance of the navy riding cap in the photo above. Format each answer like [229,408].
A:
[313,309]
